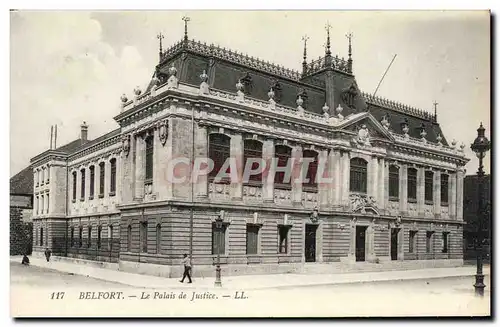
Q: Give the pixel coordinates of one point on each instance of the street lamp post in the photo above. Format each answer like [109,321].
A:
[218,228]
[480,146]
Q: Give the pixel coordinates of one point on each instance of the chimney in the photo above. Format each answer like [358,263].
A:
[51,137]
[84,132]
[55,137]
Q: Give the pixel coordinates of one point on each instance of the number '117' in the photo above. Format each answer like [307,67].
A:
[57,296]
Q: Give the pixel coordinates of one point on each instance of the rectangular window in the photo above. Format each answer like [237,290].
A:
[445,242]
[149,158]
[393,182]
[101,179]
[444,189]
[428,242]
[158,238]
[99,231]
[48,203]
[48,175]
[43,204]
[72,239]
[218,240]
[144,237]
[283,239]
[41,236]
[412,184]
[112,185]
[92,182]
[89,236]
[412,241]
[110,237]
[37,204]
[429,187]
[80,237]
[74,186]
[252,239]
[82,189]
[129,238]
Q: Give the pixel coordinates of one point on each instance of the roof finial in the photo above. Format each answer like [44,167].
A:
[435,110]
[304,63]
[160,37]
[349,60]
[327,27]
[186,19]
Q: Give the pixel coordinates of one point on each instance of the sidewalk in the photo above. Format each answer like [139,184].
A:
[250,282]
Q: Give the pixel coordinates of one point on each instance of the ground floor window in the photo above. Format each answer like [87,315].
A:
[41,236]
[89,236]
[445,242]
[428,242]
[252,239]
[72,239]
[144,237]
[412,240]
[80,237]
[129,238]
[99,231]
[283,239]
[110,237]
[219,239]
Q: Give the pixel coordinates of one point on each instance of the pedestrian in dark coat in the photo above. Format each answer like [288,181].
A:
[47,254]
[26,260]
[186,261]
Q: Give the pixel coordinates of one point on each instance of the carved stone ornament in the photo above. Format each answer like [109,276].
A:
[439,138]
[137,91]
[163,132]
[339,111]
[315,215]
[123,98]
[126,145]
[385,122]
[398,221]
[173,81]
[363,203]
[363,137]
[349,96]
[326,111]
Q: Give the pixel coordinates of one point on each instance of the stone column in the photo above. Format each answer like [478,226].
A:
[324,188]
[381,184]
[345,179]
[460,194]
[334,169]
[201,151]
[268,174]
[403,189]
[236,154]
[420,191]
[319,242]
[107,176]
[452,194]
[373,178]
[386,184]
[295,180]
[370,239]
[119,181]
[140,173]
[437,193]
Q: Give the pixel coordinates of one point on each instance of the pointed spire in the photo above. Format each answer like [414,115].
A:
[304,63]
[435,110]
[327,50]
[186,19]
[160,37]
[349,60]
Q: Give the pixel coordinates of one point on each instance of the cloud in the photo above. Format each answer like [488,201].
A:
[62,72]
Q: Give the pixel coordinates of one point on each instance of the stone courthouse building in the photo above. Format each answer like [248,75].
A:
[396,193]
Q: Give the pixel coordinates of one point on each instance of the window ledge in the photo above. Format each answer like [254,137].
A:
[219,181]
[91,197]
[253,183]
[393,199]
[412,200]
[282,187]
[73,201]
[428,202]
[311,189]
[112,193]
[82,199]
[444,204]
[101,196]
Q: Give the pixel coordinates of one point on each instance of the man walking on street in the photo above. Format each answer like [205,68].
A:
[47,254]
[186,261]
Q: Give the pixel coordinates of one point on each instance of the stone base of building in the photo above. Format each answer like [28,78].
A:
[344,266]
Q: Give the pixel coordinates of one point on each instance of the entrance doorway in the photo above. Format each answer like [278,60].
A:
[310,243]
[394,243]
[360,243]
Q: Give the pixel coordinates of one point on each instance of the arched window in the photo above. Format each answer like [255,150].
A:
[92,182]
[149,158]
[283,154]
[252,149]
[393,182]
[312,170]
[82,188]
[358,175]
[218,152]
[412,185]
[129,238]
[429,186]
[102,172]
[158,238]
[112,184]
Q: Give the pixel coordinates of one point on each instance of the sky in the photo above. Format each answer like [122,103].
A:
[70,67]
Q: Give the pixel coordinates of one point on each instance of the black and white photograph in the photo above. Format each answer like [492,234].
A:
[287,163]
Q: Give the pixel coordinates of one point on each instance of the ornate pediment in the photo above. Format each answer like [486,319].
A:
[365,128]
[363,203]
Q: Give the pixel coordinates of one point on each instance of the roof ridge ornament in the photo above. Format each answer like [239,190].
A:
[349,60]
[186,19]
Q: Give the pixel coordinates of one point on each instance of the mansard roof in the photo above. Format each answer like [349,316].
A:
[226,67]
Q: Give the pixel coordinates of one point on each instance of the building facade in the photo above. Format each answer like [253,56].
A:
[395,191]
[21,211]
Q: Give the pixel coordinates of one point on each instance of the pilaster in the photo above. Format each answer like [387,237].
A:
[334,170]
[460,195]
[403,189]
[373,178]
[323,188]
[381,184]
[268,173]
[236,153]
[296,181]
[345,179]
[420,191]
[452,194]
[437,193]
[140,172]
[201,151]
